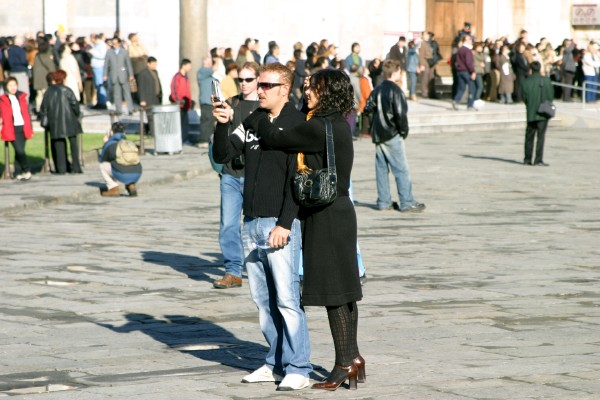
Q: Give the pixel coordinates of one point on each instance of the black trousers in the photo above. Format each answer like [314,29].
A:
[59,155]
[567,78]
[21,162]
[534,127]
[185,126]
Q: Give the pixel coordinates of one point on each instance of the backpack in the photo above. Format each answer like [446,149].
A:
[127,153]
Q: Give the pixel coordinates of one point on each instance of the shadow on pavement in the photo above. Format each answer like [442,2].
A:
[195,268]
[492,159]
[198,337]
[95,184]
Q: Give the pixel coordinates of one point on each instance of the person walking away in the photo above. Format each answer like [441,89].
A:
[536,89]
[232,183]
[42,66]
[119,162]
[61,109]
[69,64]
[465,72]
[331,277]
[15,126]
[181,93]
[591,65]
[270,215]
[389,129]
[119,72]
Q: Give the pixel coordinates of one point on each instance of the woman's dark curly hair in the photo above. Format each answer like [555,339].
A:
[334,90]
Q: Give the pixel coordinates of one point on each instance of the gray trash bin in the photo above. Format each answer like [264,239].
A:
[167,128]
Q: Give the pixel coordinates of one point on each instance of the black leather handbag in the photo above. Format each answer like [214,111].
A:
[313,188]
[547,109]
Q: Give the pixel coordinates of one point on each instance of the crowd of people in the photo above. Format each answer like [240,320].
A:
[273,121]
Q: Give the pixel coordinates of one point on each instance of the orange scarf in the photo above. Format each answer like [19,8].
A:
[303,168]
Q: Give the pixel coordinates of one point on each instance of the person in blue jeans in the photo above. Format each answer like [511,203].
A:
[113,167]
[98,53]
[271,231]
[465,72]
[232,183]
[389,129]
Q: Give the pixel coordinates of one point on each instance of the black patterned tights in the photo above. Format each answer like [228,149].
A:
[343,321]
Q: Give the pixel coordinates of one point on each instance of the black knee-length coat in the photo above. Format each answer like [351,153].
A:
[329,234]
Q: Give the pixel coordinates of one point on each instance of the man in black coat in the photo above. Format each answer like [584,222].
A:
[149,88]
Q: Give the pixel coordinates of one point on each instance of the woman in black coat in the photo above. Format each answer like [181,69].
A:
[329,235]
[61,109]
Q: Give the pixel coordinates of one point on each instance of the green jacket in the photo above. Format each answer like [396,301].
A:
[533,95]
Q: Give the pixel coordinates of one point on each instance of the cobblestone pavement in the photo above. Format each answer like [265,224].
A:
[492,293]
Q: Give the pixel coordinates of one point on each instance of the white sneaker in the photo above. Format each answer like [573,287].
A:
[263,374]
[294,382]
[24,176]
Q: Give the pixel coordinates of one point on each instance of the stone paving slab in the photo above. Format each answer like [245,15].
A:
[489,294]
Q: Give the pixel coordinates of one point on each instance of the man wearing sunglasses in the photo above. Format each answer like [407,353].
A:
[270,216]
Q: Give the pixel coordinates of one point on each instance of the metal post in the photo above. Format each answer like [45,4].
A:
[142,149]
[118,16]
[6,174]
[80,155]
[46,167]
[112,117]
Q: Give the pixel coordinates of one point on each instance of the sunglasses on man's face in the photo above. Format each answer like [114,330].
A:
[269,85]
[247,80]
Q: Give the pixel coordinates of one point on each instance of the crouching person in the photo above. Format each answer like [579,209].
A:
[119,162]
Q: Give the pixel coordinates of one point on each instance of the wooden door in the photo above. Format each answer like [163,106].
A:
[446,17]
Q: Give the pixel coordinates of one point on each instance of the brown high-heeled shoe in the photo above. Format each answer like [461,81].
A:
[359,362]
[350,375]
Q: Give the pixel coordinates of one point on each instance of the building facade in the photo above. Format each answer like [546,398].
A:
[188,28]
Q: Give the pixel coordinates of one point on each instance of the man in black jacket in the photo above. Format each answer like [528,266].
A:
[149,88]
[271,232]
[388,108]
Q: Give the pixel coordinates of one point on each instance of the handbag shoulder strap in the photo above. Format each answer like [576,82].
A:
[330,149]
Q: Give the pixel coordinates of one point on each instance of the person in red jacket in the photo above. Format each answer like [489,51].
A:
[15,125]
[181,93]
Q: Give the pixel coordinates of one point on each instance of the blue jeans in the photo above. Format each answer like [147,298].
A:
[390,155]
[464,80]
[99,83]
[128,178]
[591,96]
[230,230]
[275,288]
[412,83]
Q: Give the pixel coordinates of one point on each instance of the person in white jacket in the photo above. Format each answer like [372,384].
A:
[591,65]
[68,63]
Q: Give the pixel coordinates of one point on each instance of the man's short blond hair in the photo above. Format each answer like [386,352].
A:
[286,75]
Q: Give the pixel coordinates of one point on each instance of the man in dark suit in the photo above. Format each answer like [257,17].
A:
[398,52]
[149,88]
[118,71]
[535,90]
